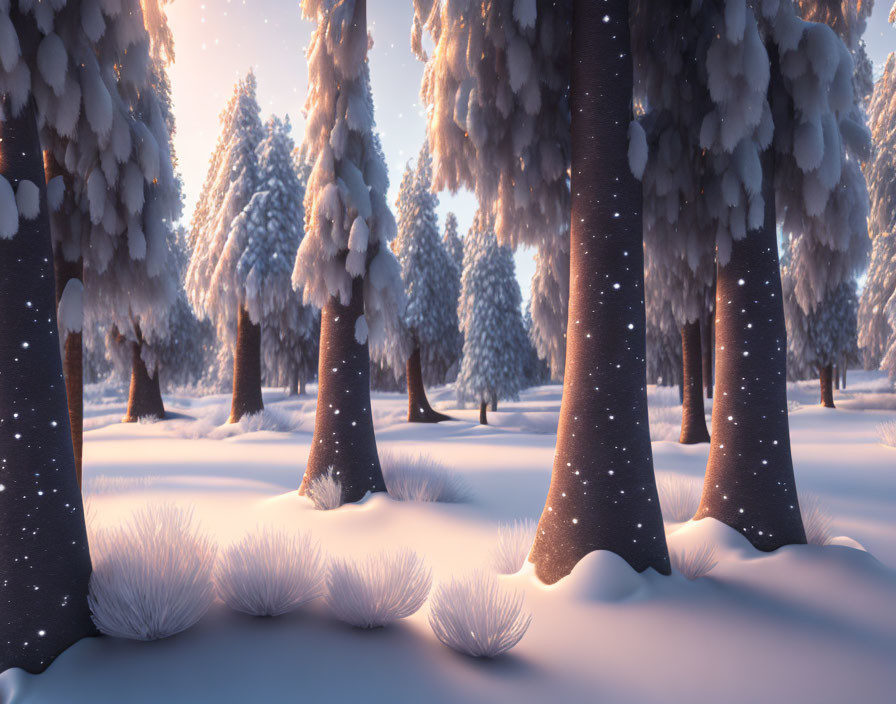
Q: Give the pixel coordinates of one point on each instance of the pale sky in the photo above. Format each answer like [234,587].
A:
[217,41]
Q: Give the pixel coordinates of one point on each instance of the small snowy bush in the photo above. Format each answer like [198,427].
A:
[378,589]
[694,562]
[886,432]
[665,422]
[421,478]
[679,497]
[326,491]
[105,484]
[512,548]
[816,520]
[152,577]
[270,572]
[475,616]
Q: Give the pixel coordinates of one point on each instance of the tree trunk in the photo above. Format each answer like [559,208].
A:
[826,375]
[419,410]
[246,369]
[43,609]
[843,372]
[693,416]
[144,395]
[302,385]
[483,413]
[603,492]
[292,388]
[835,375]
[343,429]
[749,482]
[494,404]
[708,343]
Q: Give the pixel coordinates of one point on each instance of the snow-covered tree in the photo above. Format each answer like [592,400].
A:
[290,330]
[452,242]
[495,342]
[344,265]
[233,275]
[877,334]
[430,284]
[549,302]
[543,141]
[454,245]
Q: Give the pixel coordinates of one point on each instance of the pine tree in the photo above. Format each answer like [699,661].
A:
[542,139]
[549,302]
[228,279]
[454,245]
[427,270]
[490,317]
[877,333]
[344,265]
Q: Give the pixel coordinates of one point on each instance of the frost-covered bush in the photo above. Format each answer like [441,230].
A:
[694,561]
[665,423]
[513,545]
[421,478]
[271,572]
[152,576]
[475,616]
[679,497]
[886,432]
[379,589]
[326,491]
[816,520]
[105,484]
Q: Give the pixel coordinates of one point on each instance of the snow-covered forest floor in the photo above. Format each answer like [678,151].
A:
[804,624]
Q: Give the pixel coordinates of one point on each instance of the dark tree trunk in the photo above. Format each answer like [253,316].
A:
[44,557]
[708,341]
[483,413]
[693,416]
[292,387]
[343,428]
[72,360]
[836,378]
[302,385]
[494,405]
[145,394]
[246,369]
[826,376]
[419,410]
[843,369]
[603,492]
[749,482]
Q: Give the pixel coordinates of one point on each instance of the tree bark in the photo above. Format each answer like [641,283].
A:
[843,369]
[43,609]
[708,344]
[749,482]
[419,410]
[302,386]
[145,394]
[343,430]
[246,369]
[835,375]
[494,405]
[693,415]
[603,491]
[826,376]
[483,413]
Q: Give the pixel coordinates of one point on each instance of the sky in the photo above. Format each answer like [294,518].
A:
[217,41]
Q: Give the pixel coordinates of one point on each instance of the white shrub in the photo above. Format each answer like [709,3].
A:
[886,433]
[152,577]
[270,572]
[421,478]
[694,562]
[475,616]
[378,589]
[105,484]
[325,491]
[513,545]
[816,520]
[679,497]
[665,422]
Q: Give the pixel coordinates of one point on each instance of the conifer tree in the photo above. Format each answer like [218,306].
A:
[454,245]
[227,279]
[344,265]
[430,316]
[549,302]
[495,342]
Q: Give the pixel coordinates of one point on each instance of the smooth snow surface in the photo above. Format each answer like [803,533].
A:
[803,624]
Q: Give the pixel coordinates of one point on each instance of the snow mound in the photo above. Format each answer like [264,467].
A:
[379,589]
[152,577]
[475,616]
[601,576]
[421,478]
[846,542]
[270,573]
[727,542]
[514,542]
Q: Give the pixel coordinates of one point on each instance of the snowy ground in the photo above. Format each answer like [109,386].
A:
[804,624]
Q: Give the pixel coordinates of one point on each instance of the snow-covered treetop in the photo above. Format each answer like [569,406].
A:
[429,274]
[495,344]
[453,244]
[881,169]
[231,182]
[496,88]
[348,224]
